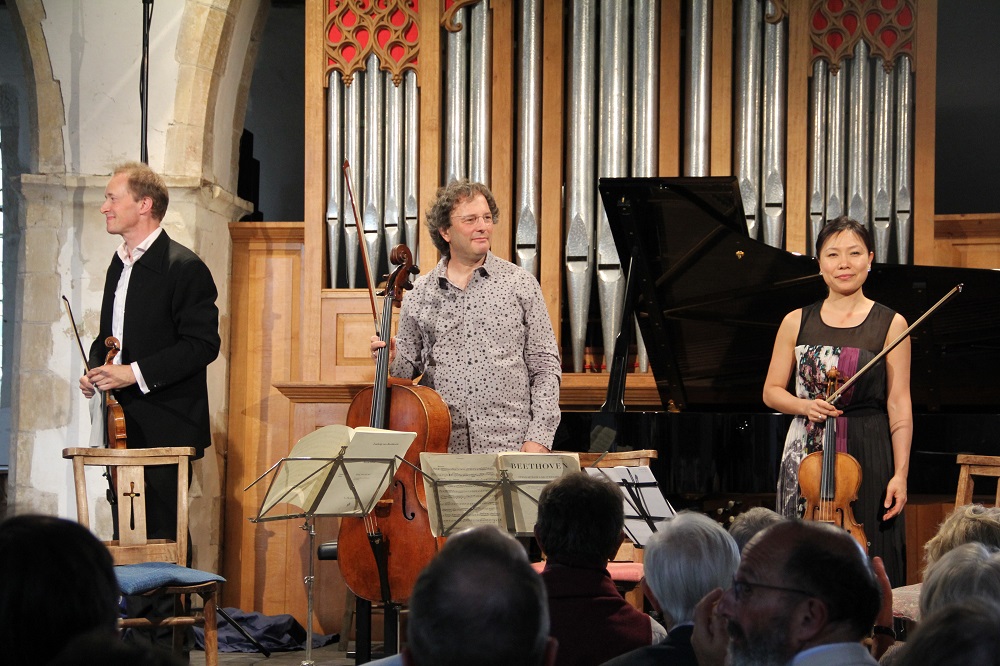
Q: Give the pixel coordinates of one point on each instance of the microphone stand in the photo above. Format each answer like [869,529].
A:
[147,19]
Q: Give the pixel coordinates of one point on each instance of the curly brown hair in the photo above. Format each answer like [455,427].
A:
[447,197]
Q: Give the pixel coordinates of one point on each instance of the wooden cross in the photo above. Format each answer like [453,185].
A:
[131,495]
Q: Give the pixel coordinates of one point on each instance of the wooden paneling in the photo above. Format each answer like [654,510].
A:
[265,563]
[923,516]
[969,241]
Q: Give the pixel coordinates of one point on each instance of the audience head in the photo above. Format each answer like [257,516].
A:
[957,634]
[972,522]
[969,570]
[56,574]
[799,585]
[479,602]
[689,556]
[751,521]
[580,520]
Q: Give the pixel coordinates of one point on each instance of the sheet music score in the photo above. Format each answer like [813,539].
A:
[645,505]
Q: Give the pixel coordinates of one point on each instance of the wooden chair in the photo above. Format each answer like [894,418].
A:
[971,466]
[151,566]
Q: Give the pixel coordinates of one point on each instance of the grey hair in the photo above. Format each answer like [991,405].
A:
[751,521]
[969,570]
[972,522]
[439,214]
[689,556]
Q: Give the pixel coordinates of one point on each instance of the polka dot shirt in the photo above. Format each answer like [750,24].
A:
[489,350]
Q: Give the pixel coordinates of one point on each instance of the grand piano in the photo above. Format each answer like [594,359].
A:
[709,299]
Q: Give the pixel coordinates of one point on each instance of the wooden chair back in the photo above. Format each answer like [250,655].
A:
[971,466]
[133,546]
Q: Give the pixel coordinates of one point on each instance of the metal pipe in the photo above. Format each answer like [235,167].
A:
[392,214]
[612,156]
[746,130]
[817,151]
[371,205]
[881,157]
[352,153]
[334,160]
[645,105]
[859,136]
[527,189]
[580,172]
[480,86]
[698,97]
[904,158]
[456,99]
[411,138]
[836,130]
[774,130]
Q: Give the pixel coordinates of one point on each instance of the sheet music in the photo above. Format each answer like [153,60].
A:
[306,472]
[465,490]
[643,500]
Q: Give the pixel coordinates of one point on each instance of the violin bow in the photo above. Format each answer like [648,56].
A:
[892,345]
[76,333]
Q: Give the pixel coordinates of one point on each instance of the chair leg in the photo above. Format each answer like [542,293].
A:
[211,628]
[177,631]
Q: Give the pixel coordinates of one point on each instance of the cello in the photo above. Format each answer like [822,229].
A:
[381,554]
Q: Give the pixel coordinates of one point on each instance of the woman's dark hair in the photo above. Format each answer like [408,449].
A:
[839,224]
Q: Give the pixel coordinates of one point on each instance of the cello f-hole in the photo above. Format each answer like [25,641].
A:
[409,515]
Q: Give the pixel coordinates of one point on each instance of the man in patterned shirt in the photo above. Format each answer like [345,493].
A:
[475,328]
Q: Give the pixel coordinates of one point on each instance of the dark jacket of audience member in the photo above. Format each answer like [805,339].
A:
[58,582]
[579,529]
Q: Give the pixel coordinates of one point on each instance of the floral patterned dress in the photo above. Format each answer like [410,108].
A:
[862,431]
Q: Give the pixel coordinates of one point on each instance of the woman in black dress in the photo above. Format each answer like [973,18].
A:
[845,330]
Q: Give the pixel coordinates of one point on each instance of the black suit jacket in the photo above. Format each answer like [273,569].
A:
[171,330]
[674,650]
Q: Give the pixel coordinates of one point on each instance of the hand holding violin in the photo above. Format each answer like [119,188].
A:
[819,410]
[107,377]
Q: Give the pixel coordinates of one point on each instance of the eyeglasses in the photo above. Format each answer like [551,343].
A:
[469,220]
[743,590]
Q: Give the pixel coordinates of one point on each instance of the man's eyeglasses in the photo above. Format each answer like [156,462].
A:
[469,220]
[743,590]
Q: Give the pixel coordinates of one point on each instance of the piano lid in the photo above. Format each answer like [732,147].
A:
[710,300]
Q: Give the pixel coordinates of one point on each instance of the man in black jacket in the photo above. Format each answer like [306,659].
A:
[159,301]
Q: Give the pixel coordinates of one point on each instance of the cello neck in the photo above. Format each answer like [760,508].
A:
[380,388]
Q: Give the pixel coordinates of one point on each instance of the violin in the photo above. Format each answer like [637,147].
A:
[829,480]
[114,415]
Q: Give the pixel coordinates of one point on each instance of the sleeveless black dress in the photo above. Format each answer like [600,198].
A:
[862,431]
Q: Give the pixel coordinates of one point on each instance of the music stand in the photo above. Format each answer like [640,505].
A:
[645,505]
[459,495]
[347,484]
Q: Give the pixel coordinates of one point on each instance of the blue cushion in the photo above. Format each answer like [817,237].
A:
[139,578]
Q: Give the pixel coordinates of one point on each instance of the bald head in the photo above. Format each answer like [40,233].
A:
[825,561]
